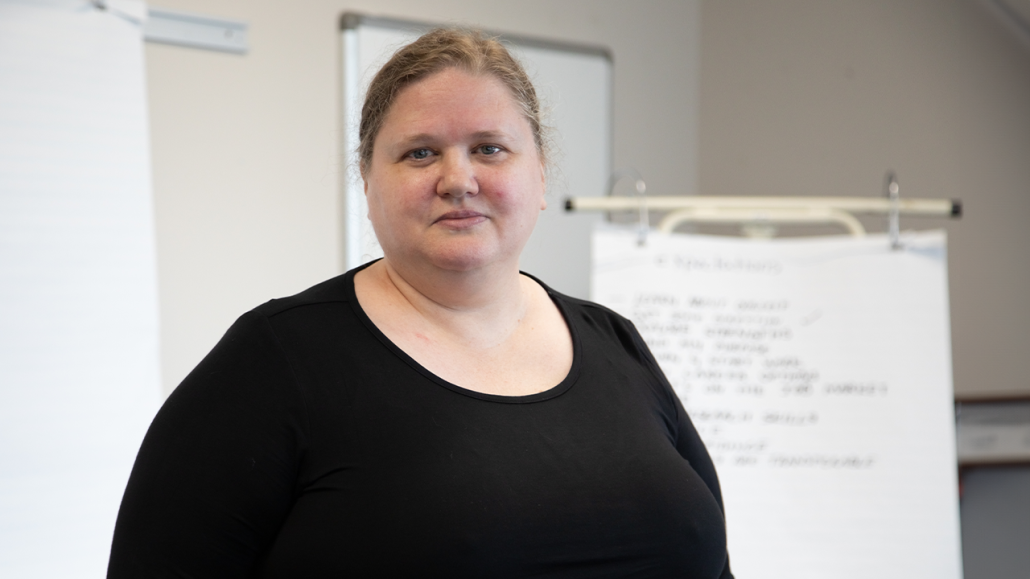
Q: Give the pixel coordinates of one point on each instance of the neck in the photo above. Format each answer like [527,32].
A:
[484,306]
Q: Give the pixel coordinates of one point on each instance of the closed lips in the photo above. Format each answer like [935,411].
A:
[455,215]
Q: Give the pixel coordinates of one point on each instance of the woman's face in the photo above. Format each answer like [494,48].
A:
[455,178]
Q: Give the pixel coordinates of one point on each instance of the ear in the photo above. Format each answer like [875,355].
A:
[543,187]
[364,186]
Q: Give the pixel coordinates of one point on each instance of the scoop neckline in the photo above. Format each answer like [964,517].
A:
[553,392]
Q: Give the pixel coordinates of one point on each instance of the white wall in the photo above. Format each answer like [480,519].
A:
[806,97]
[246,149]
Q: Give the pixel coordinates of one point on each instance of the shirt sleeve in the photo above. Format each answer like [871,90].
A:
[688,441]
[215,476]
[690,447]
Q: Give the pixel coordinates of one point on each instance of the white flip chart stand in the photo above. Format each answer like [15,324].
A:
[818,373]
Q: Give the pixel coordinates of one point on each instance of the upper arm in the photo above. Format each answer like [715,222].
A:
[688,442]
[690,447]
[215,475]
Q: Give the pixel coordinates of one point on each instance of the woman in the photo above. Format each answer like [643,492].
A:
[434,413]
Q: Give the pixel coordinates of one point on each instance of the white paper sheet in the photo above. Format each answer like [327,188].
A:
[78,295]
[818,373]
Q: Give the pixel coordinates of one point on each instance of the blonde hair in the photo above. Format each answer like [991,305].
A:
[467,50]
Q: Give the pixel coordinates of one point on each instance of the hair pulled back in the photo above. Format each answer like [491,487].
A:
[439,49]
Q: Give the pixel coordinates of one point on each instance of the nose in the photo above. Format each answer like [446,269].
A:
[457,177]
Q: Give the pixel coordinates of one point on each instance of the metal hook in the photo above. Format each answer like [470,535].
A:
[893,193]
[644,224]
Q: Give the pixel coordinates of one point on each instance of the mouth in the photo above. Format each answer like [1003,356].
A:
[460,218]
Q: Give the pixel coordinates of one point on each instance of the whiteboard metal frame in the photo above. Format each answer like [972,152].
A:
[993,431]
[351,20]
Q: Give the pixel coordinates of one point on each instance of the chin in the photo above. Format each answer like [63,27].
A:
[458,263]
[465,258]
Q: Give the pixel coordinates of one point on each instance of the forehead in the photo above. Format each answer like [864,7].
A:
[449,96]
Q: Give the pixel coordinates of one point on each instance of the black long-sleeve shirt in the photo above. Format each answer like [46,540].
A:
[306,444]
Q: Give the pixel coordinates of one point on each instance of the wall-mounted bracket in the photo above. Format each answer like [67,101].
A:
[195,31]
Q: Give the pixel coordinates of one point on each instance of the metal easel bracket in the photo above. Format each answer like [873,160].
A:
[644,224]
[769,210]
[758,217]
[894,215]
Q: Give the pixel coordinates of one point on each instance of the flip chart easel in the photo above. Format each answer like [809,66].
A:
[818,373]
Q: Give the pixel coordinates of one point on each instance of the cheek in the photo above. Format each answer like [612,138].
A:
[393,195]
[518,192]
[382,207]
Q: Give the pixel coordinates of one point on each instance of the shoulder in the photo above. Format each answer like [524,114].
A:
[610,339]
[599,322]
[261,352]
[284,325]
[594,310]
[336,290]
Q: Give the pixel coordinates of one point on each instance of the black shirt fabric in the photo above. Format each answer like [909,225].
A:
[306,444]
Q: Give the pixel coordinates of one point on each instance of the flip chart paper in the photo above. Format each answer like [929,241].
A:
[78,295]
[818,374]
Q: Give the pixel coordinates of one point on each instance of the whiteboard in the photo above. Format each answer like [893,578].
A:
[78,286]
[818,373]
[574,85]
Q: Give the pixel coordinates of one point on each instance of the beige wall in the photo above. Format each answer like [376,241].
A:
[807,97]
[796,97]
[245,148]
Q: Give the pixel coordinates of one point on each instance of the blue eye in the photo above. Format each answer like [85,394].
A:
[419,154]
[489,149]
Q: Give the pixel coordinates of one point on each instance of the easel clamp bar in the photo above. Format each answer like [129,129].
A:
[929,207]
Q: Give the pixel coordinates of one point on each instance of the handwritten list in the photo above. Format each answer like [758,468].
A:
[818,374]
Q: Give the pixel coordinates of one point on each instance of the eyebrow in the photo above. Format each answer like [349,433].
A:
[491,135]
[478,135]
